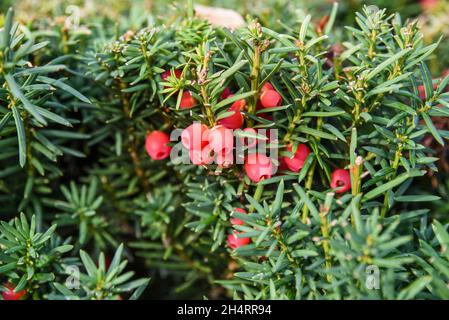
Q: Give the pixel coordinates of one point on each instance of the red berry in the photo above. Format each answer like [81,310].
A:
[167,74]
[11,295]
[235,243]
[201,157]
[270,99]
[249,142]
[234,121]
[221,139]
[258,167]
[239,104]
[297,161]
[237,221]
[187,101]
[341,180]
[267,86]
[226,93]
[156,145]
[195,136]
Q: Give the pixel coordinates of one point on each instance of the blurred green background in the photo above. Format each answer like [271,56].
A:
[273,13]
[266,9]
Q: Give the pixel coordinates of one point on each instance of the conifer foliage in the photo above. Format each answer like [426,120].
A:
[91,194]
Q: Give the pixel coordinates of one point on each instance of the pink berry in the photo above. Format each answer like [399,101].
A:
[237,221]
[258,167]
[195,136]
[341,180]
[187,101]
[221,139]
[234,121]
[157,146]
[201,157]
[270,99]
[297,161]
[235,243]
[267,86]
[249,142]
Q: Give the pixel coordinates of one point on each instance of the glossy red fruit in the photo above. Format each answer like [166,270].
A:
[249,142]
[157,146]
[187,101]
[11,295]
[258,167]
[201,157]
[226,93]
[234,121]
[267,86]
[195,136]
[235,243]
[341,180]
[270,99]
[167,74]
[221,139]
[237,221]
[297,161]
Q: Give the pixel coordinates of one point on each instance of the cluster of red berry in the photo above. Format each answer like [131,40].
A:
[207,145]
